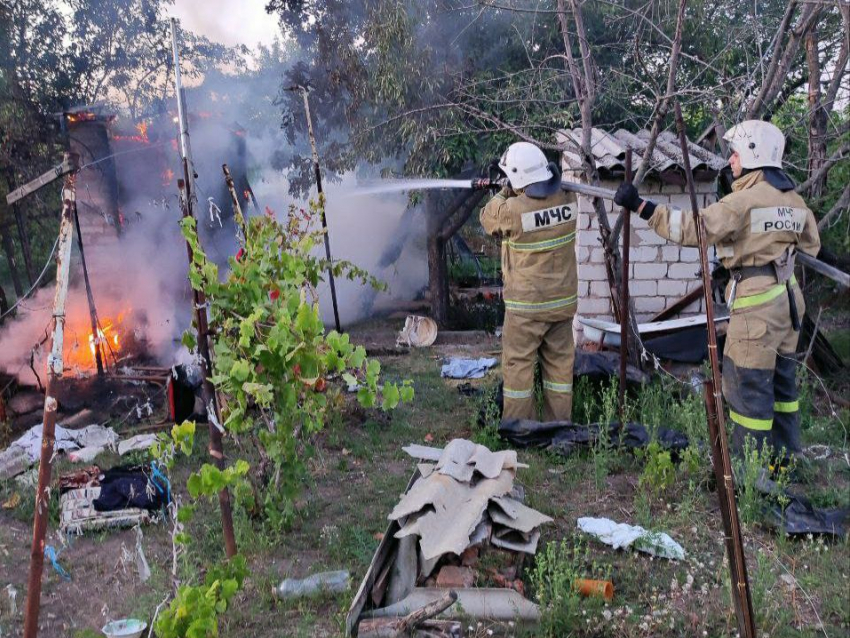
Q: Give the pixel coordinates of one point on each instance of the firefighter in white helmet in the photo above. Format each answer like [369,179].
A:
[756,230]
[536,222]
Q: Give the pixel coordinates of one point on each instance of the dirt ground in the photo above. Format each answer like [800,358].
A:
[356,474]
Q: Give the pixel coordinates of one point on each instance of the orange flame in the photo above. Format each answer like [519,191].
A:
[167,177]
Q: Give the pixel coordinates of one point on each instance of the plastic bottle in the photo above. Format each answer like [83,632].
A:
[326,581]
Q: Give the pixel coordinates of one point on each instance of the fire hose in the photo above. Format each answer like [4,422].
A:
[838,276]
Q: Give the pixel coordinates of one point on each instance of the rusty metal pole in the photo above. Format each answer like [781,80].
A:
[200,306]
[624,297]
[318,173]
[48,434]
[717,423]
[237,207]
[95,330]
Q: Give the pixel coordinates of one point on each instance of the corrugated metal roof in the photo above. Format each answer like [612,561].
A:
[609,150]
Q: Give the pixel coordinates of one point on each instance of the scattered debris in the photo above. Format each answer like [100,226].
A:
[138,442]
[142,566]
[595,588]
[620,535]
[125,628]
[334,582]
[26,450]
[418,619]
[486,602]
[460,368]
[461,501]
[418,332]
[565,438]
[469,390]
[12,502]
[12,593]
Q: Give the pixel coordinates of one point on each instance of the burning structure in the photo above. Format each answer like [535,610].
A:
[133,252]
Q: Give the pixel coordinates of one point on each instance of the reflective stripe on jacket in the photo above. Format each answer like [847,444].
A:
[538,252]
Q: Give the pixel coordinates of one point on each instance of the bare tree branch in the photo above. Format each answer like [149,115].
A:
[837,156]
[840,206]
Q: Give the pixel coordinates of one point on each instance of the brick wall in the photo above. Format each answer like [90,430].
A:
[660,272]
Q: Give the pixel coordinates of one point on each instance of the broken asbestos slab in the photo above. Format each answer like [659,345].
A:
[484,602]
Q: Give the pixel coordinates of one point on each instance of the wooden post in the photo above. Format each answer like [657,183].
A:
[200,307]
[48,435]
[717,423]
[624,297]
[318,172]
[237,208]
[95,330]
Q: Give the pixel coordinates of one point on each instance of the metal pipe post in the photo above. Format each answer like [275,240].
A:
[717,423]
[624,297]
[98,356]
[48,433]
[318,173]
[200,306]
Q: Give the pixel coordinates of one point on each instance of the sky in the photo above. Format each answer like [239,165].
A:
[228,22]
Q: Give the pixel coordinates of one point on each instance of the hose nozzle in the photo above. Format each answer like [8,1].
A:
[483,184]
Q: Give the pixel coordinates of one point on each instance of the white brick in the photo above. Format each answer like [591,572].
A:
[582,289]
[649,304]
[644,254]
[650,271]
[600,289]
[689,254]
[588,238]
[673,287]
[639,288]
[597,255]
[683,271]
[694,283]
[594,306]
[683,202]
[585,205]
[650,238]
[644,317]
[670,253]
[582,254]
[592,272]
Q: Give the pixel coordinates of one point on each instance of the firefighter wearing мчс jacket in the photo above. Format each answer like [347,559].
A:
[756,230]
[536,222]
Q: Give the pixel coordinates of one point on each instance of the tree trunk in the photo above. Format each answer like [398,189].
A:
[9,249]
[22,230]
[438,271]
[817,117]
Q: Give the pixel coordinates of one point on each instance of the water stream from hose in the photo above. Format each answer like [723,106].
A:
[401,185]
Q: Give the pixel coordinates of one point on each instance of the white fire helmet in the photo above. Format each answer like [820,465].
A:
[524,164]
[758,143]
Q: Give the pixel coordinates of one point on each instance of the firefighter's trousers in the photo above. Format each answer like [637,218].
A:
[524,339]
[759,367]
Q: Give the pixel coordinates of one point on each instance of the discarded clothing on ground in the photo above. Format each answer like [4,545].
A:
[136,486]
[81,489]
[795,515]
[621,535]
[600,366]
[459,368]
[565,438]
[26,449]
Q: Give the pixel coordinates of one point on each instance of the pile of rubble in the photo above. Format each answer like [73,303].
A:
[461,501]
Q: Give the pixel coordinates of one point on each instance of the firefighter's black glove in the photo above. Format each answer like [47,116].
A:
[627,197]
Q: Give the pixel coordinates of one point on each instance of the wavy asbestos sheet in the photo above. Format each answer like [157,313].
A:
[444,512]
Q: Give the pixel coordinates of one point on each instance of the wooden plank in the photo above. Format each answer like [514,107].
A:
[678,306]
[69,164]
[824,269]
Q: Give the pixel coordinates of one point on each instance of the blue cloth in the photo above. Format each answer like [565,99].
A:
[458,368]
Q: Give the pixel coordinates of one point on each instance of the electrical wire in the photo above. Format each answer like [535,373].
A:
[37,281]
